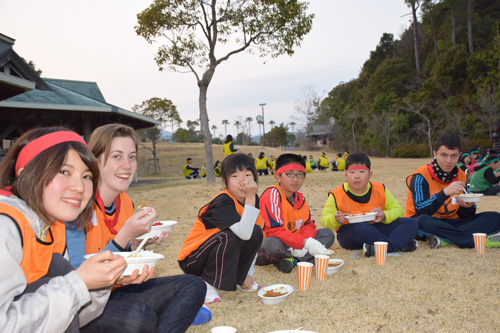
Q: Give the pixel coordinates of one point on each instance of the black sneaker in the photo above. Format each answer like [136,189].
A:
[368,250]
[286,264]
[410,247]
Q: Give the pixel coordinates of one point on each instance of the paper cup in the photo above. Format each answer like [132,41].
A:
[321,264]
[380,252]
[304,269]
[223,329]
[479,242]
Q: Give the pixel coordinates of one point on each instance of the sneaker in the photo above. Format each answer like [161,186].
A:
[212,295]
[410,247]
[203,316]
[435,242]
[492,241]
[368,250]
[286,264]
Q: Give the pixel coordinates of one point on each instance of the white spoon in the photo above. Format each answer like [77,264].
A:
[134,254]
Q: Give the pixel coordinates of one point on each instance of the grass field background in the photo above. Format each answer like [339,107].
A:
[445,290]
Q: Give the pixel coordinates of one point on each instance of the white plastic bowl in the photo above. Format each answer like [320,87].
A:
[223,329]
[278,299]
[331,270]
[472,197]
[357,218]
[137,262]
[158,229]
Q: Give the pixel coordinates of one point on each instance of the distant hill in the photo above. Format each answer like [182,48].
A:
[166,135]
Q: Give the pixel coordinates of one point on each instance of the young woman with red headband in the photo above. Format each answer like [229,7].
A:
[49,175]
[141,304]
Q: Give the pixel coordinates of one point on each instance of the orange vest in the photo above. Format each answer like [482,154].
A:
[446,211]
[292,218]
[98,236]
[37,254]
[347,205]
[198,234]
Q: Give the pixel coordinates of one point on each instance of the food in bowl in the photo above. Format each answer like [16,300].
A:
[334,264]
[157,228]
[284,289]
[470,197]
[273,293]
[362,217]
[143,258]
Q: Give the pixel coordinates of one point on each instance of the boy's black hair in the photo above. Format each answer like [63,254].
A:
[490,158]
[237,162]
[357,159]
[285,159]
[347,151]
[304,157]
[449,141]
[339,155]
[493,152]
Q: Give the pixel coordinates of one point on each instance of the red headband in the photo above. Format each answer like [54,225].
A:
[289,167]
[36,146]
[358,167]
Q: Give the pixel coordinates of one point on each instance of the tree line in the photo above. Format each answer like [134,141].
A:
[441,76]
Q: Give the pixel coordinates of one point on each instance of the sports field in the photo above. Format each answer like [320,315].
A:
[445,290]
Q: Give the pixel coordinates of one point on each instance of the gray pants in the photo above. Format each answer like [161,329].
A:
[273,250]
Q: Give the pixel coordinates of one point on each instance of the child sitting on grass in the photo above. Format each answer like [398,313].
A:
[484,180]
[224,240]
[290,230]
[359,195]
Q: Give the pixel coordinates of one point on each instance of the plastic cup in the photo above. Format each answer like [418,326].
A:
[479,242]
[305,270]
[321,264]
[380,252]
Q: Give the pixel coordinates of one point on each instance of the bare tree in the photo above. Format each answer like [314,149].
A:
[305,108]
[429,5]
[470,10]
[414,4]
[456,122]
[453,38]
[356,118]
[489,108]
[428,128]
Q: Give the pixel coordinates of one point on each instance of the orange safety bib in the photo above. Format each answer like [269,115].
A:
[37,254]
[347,205]
[447,210]
[293,219]
[199,234]
[98,234]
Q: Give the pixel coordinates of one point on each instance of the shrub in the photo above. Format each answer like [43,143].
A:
[411,151]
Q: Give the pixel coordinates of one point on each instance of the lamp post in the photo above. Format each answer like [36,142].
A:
[263,121]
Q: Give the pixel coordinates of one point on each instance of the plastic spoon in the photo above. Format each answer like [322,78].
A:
[134,254]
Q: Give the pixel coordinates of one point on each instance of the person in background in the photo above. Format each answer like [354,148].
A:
[484,154]
[340,162]
[229,147]
[49,175]
[290,229]
[313,162]
[495,137]
[217,168]
[430,191]
[474,157]
[308,164]
[203,170]
[189,171]
[334,163]
[272,164]
[251,156]
[484,180]
[262,164]
[323,163]
[359,195]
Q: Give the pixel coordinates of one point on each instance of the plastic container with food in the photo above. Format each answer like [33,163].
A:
[334,265]
[470,197]
[142,259]
[364,217]
[275,294]
[157,228]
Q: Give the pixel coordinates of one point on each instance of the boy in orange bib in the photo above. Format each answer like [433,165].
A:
[290,230]
[358,195]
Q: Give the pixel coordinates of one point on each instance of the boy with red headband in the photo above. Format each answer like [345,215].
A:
[359,195]
[290,230]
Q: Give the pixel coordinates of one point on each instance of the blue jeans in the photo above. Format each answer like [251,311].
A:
[397,234]
[167,304]
[459,231]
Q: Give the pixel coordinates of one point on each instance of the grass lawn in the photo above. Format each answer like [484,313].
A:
[448,289]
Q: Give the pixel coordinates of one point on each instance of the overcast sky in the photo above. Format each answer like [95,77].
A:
[95,40]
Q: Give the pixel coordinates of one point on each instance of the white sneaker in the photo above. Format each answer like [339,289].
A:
[255,287]
[212,295]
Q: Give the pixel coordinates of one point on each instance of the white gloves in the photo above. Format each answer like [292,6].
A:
[316,247]
[298,253]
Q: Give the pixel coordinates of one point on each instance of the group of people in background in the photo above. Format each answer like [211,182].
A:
[482,171]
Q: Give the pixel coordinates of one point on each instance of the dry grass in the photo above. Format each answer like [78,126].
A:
[447,290]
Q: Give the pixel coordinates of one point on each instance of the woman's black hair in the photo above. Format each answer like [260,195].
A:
[229,138]
[216,162]
[237,162]
[357,159]
[285,159]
